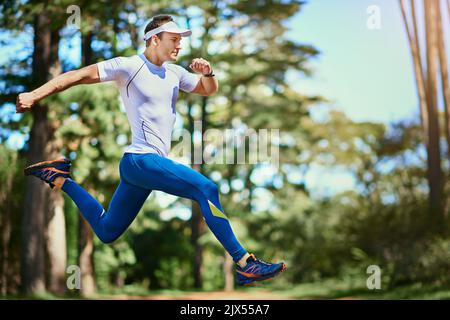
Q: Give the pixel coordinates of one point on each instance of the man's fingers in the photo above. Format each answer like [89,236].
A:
[21,108]
[199,61]
[200,65]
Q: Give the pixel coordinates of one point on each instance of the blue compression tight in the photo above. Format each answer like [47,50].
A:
[140,174]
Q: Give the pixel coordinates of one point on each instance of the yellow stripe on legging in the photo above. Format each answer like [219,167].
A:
[216,212]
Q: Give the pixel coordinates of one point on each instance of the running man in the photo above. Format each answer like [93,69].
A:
[149,89]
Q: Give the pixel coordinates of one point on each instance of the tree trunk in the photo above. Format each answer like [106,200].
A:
[434,161]
[43,229]
[56,244]
[33,264]
[444,75]
[417,62]
[55,233]
[228,270]
[228,267]
[85,234]
[5,228]
[4,254]
[85,258]
[448,8]
[197,226]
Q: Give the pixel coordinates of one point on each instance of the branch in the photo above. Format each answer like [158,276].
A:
[415,52]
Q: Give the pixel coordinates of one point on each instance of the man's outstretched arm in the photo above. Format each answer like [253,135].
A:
[85,75]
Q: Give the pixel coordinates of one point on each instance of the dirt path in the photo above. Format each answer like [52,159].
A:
[213,295]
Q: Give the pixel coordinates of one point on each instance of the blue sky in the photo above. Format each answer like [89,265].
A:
[366,73]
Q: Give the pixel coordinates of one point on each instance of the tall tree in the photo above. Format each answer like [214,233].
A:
[428,96]
[434,155]
[43,221]
[10,205]
[85,234]
[414,44]
[43,227]
[444,72]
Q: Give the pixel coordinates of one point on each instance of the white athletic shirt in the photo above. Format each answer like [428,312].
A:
[149,93]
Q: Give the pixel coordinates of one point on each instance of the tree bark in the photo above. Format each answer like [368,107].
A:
[85,234]
[5,228]
[448,8]
[56,244]
[444,75]
[33,254]
[434,161]
[85,258]
[228,270]
[33,223]
[417,62]
[43,227]
[197,227]
[55,233]
[197,230]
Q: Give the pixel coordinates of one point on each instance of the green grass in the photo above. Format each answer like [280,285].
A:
[337,289]
[327,289]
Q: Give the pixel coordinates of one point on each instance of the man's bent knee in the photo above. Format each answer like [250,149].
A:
[210,189]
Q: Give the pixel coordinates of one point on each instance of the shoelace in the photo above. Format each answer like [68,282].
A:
[264,262]
[260,261]
[47,175]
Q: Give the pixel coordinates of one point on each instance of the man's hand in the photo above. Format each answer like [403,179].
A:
[201,66]
[24,102]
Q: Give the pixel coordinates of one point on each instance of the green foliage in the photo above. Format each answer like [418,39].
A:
[163,255]
[354,289]
[11,180]
[112,263]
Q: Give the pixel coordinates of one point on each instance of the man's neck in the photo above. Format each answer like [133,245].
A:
[153,58]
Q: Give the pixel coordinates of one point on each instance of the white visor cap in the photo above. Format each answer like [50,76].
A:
[168,27]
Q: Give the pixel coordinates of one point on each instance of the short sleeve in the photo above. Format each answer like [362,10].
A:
[188,80]
[115,69]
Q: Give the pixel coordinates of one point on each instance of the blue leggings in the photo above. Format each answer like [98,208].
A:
[140,174]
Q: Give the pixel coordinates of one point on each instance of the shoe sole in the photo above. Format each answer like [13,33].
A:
[42,165]
[268,277]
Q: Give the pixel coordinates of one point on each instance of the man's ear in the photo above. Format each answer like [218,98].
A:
[154,40]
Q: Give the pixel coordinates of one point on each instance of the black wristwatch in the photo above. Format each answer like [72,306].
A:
[211,74]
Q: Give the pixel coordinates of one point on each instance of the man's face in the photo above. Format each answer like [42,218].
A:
[169,46]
